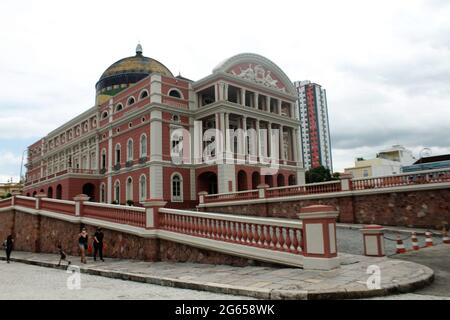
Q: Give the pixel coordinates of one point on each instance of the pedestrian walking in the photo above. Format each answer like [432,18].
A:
[98,244]
[83,244]
[8,244]
[62,256]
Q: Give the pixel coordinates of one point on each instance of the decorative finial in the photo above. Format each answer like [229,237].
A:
[139,49]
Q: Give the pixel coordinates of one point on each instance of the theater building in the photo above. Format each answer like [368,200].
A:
[153,135]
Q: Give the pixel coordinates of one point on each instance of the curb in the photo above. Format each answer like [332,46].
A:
[390,229]
[265,294]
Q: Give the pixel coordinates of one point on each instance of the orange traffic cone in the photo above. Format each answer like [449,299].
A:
[400,247]
[415,242]
[428,239]
[445,237]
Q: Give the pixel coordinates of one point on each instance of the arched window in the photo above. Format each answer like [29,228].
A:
[117,192]
[102,193]
[177,188]
[143,148]
[118,153]
[50,192]
[129,189]
[130,150]
[119,107]
[130,101]
[144,94]
[175,93]
[59,191]
[142,188]
[103,164]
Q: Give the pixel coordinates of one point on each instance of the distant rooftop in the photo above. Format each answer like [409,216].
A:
[443,157]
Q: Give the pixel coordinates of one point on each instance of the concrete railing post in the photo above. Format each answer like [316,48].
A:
[346,181]
[152,207]
[79,203]
[319,237]
[262,190]
[373,240]
[201,197]
[39,198]
[14,194]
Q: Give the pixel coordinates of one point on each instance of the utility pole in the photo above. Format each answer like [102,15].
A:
[21,165]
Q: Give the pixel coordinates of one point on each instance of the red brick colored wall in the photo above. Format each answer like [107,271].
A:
[426,209]
[70,188]
[418,208]
[43,234]
[6,224]
[26,232]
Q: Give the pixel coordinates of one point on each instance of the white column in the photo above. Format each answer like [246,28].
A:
[244,129]
[223,138]
[281,143]
[268,103]
[197,142]
[270,146]
[279,106]
[216,92]
[228,152]
[243,97]
[225,91]
[256,100]
[109,198]
[295,144]
[218,140]
[155,136]
[258,147]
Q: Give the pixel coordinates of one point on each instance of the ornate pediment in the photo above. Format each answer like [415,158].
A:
[259,74]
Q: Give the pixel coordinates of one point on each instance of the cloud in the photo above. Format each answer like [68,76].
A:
[385,64]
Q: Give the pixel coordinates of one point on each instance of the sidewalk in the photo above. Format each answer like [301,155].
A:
[405,230]
[349,281]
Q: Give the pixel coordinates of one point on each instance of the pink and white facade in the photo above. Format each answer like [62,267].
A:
[155,136]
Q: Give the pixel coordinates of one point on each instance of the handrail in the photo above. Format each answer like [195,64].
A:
[59,201]
[267,233]
[240,218]
[406,174]
[230,193]
[306,185]
[113,206]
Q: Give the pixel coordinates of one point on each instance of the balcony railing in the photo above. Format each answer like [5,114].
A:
[406,179]
[267,233]
[400,180]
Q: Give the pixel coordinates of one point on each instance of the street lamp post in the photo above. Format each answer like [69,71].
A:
[21,165]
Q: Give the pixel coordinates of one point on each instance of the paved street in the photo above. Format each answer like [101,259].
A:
[22,281]
[438,259]
[349,281]
[351,241]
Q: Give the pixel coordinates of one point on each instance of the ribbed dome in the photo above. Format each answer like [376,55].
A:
[130,70]
[136,64]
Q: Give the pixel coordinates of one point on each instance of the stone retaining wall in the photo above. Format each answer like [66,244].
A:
[422,209]
[36,233]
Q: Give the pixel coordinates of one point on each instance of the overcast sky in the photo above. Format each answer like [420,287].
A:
[385,64]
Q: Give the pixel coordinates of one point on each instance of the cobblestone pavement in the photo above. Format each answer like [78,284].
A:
[349,281]
[22,281]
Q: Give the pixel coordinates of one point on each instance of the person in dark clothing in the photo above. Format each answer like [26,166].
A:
[98,244]
[9,242]
[83,244]
[62,256]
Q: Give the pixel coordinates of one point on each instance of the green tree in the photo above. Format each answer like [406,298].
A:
[320,174]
